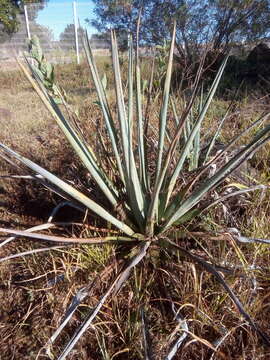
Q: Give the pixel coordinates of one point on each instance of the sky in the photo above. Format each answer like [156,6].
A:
[57,14]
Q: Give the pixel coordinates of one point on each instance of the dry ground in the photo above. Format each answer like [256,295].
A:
[35,290]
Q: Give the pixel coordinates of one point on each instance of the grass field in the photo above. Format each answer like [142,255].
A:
[36,289]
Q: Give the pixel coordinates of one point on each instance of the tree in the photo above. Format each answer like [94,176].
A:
[100,41]
[16,38]
[10,10]
[8,14]
[67,37]
[200,23]
[120,15]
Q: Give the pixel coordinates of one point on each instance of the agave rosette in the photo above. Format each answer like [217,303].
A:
[143,207]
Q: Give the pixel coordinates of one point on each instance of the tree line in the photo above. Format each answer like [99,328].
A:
[215,24]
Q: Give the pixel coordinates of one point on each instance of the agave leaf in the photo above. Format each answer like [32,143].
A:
[33,251]
[104,105]
[165,172]
[176,201]
[191,214]
[141,178]
[182,324]
[197,139]
[76,301]
[146,338]
[34,228]
[104,81]
[245,240]
[236,193]
[60,239]
[258,122]
[18,176]
[84,152]
[188,127]
[117,283]
[220,175]
[61,205]
[141,139]
[72,192]
[140,121]
[130,89]
[38,178]
[132,182]
[160,173]
[219,155]
[86,323]
[195,129]
[164,107]
[141,252]
[212,143]
[121,104]
[166,213]
[213,140]
[211,269]
[139,113]
[195,150]
[176,117]
[149,98]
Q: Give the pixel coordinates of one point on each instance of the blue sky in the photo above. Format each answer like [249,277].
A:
[57,14]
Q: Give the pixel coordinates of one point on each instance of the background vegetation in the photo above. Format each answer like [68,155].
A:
[215,24]
[9,10]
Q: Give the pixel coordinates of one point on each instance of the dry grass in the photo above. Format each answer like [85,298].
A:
[36,290]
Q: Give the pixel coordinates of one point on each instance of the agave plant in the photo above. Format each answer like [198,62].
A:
[144,207]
